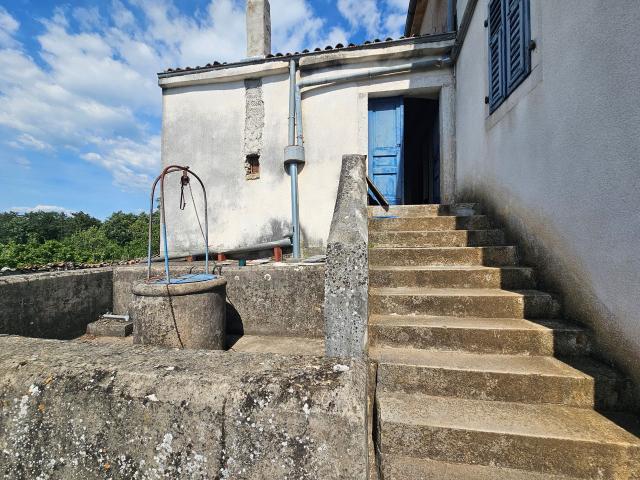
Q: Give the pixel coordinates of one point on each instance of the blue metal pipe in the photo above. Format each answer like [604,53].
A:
[293,172]
[293,167]
[166,248]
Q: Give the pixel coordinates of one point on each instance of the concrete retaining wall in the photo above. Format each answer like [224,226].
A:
[82,411]
[283,300]
[347,276]
[54,304]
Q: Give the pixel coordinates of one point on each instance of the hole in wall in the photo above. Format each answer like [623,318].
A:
[252,166]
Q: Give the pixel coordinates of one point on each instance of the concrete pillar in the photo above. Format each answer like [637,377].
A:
[346,287]
[447,145]
[258,28]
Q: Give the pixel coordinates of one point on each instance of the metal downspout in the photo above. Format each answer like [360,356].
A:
[294,152]
[294,155]
[374,72]
[300,137]
[292,104]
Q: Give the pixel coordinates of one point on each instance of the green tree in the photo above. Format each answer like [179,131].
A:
[80,221]
[93,246]
[12,228]
[46,237]
[43,226]
[119,227]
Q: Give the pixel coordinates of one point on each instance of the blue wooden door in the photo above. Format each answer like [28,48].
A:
[386,117]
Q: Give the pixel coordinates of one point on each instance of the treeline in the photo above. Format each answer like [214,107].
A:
[40,238]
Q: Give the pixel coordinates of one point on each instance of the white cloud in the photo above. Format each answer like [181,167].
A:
[378,18]
[337,35]
[41,208]
[361,14]
[395,17]
[28,141]
[402,5]
[23,162]
[130,162]
[8,26]
[88,18]
[394,24]
[90,87]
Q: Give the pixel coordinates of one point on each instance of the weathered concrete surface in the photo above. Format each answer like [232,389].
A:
[274,344]
[184,315]
[258,19]
[267,299]
[537,162]
[347,275]
[453,276]
[479,335]
[82,411]
[424,238]
[432,224]
[254,117]
[110,327]
[553,439]
[464,302]
[463,378]
[490,256]
[54,304]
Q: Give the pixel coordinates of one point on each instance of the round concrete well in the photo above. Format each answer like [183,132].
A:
[182,315]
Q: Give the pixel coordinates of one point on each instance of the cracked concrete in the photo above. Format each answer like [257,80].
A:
[79,411]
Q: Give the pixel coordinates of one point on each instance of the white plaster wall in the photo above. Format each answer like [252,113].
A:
[203,126]
[559,162]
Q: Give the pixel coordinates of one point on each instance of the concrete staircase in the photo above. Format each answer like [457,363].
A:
[478,376]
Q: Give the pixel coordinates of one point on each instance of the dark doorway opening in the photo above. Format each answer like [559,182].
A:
[421,151]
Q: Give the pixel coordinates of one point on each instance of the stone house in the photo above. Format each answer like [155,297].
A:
[480,323]
[457,110]
[529,107]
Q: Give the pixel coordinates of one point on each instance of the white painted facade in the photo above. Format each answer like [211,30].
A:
[558,162]
[204,124]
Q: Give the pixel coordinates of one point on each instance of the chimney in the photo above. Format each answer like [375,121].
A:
[258,28]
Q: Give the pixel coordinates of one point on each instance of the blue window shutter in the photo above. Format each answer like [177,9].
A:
[518,58]
[496,53]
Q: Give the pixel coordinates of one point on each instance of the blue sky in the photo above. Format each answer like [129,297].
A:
[79,102]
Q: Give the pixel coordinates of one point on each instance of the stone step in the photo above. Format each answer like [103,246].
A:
[396,467]
[543,438]
[427,210]
[509,378]
[514,336]
[418,224]
[488,256]
[469,302]
[445,238]
[453,276]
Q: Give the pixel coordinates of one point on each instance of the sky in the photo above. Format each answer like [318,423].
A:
[80,107]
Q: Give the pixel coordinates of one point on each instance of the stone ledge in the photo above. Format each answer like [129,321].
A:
[77,411]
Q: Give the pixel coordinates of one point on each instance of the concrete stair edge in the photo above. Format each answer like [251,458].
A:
[479,335]
[552,439]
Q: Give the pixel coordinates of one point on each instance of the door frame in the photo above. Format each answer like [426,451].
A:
[400,194]
[443,86]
